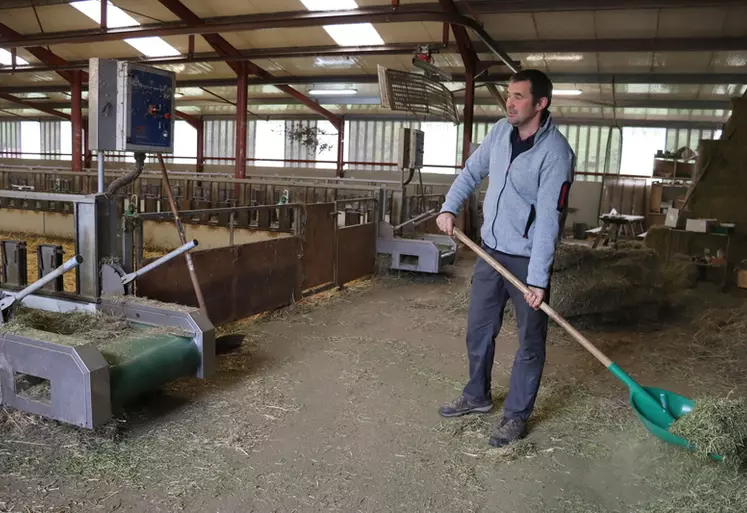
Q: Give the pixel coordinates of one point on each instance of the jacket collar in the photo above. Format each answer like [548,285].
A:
[545,126]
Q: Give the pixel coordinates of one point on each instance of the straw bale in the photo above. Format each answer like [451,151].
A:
[604,281]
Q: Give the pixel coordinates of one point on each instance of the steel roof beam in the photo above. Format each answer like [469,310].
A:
[529,46]
[224,48]
[629,102]
[558,78]
[493,6]
[33,105]
[41,53]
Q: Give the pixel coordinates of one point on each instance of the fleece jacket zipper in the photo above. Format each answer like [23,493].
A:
[498,202]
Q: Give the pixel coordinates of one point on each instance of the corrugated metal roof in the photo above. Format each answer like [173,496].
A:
[538,26]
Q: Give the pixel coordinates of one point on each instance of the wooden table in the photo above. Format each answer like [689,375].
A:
[611,225]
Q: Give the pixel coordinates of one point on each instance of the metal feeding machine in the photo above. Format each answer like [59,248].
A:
[408,250]
[76,378]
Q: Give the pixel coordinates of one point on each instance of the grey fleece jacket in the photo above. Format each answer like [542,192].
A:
[525,199]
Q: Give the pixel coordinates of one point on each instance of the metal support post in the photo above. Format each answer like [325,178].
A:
[104,6]
[86,150]
[86,246]
[77,121]
[241,114]
[341,148]
[200,146]
[469,110]
[231,225]
[128,243]
[139,244]
[100,162]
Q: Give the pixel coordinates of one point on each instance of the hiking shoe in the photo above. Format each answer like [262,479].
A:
[462,405]
[509,430]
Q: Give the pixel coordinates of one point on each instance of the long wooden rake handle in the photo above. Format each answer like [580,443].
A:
[555,316]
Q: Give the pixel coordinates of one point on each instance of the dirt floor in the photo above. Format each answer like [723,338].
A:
[333,407]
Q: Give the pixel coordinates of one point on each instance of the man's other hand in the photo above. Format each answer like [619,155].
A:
[534,297]
[445,223]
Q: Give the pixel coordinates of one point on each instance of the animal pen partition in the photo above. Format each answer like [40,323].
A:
[262,254]
[243,280]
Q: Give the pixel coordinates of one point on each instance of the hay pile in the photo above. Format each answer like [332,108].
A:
[716,426]
[612,284]
[106,332]
[624,284]
[91,326]
[680,273]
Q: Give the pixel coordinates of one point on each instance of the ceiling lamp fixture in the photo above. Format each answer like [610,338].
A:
[566,92]
[332,92]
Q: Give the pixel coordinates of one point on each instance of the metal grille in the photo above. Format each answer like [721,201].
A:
[676,139]
[10,139]
[51,135]
[417,94]
[220,141]
[374,141]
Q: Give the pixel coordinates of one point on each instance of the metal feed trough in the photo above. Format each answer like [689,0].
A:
[71,378]
[424,253]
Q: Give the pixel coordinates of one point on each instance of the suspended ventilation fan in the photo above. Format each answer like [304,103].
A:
[417,94]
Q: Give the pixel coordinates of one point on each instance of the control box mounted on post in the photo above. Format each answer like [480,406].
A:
[411,148]
[131,107]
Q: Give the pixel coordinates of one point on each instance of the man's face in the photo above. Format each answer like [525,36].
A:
[520,105]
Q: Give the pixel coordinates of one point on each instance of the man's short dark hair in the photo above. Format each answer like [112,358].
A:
[540,84]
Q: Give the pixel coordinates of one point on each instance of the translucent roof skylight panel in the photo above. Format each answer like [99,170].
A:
[356,34]
[117,18]
[153,47]
[6,60]
[329,5]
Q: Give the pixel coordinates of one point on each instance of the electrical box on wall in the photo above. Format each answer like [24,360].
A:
[130,107]
[411,148]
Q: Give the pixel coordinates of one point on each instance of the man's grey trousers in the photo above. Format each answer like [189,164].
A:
[490,292]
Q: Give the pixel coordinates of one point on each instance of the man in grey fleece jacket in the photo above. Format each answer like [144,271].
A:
[530,168]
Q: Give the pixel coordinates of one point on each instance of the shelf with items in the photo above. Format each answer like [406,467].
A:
[669,165]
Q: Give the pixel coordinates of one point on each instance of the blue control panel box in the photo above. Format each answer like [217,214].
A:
[131,107]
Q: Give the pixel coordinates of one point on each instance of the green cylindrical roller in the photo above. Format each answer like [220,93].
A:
[146,361]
